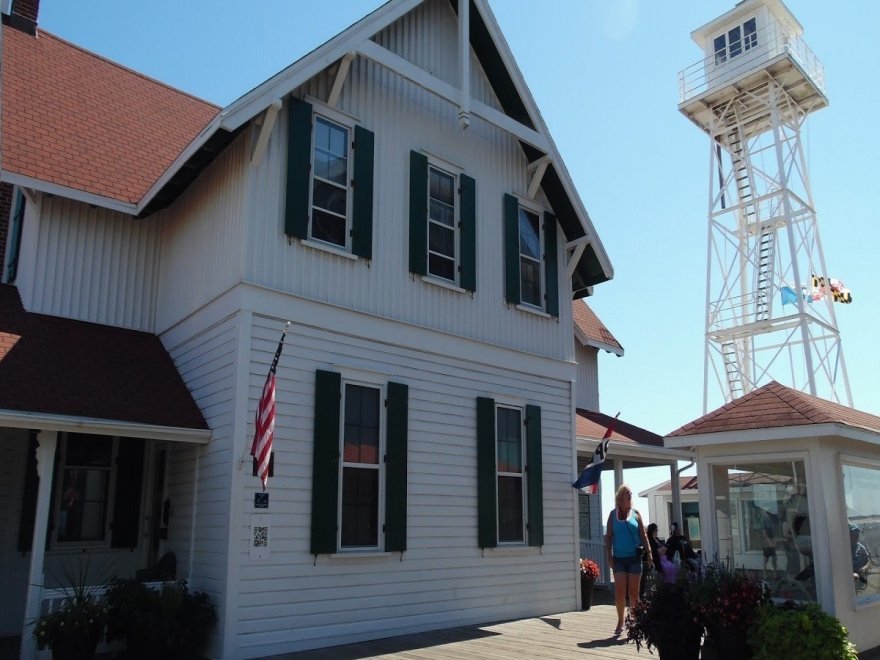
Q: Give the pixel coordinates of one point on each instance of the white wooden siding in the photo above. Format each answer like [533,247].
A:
[406,118]
[587,388]
[289,601]
[206,362]
[89,263]
[14,566]
[203,237]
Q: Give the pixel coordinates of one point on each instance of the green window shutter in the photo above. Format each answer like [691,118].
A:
[535,475]
[29,497]
[362,214]
[487,498]
[127,500]
[511,249]
[468,217]
[551,273]
[418,213]
[325,463]
[16,223]
[299,166]
[395,467]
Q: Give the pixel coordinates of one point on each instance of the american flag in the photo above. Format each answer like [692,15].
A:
[588,482]
[265,422]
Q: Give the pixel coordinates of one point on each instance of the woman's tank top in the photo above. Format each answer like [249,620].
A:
[624,534]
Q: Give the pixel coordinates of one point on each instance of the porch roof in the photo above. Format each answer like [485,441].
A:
[776,411]
[70,370]
[638,446]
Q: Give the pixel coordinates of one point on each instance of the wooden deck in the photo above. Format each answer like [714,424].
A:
[565,635]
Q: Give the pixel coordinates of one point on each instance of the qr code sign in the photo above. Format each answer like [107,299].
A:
[261,537]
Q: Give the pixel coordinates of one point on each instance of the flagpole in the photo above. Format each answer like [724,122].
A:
[246,455]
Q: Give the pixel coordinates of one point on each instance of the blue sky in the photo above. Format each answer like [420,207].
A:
[604,75]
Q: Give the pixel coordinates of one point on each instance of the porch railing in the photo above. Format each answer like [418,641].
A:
[595,550]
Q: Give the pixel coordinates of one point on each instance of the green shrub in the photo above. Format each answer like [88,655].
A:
[170,622]
[799,631]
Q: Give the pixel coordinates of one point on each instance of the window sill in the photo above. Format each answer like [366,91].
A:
[533,310]
[445,284]
[514,551]
[360,554]
[324,247]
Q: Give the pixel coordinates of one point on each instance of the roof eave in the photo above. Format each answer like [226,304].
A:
[630,451]
[66,192]
[50,422]
[799,432]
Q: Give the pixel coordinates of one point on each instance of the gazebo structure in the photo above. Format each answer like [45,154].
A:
[794,478]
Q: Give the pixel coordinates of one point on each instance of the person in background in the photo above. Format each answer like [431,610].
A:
[768,542]
[654,543]
[678,543]
[625,533]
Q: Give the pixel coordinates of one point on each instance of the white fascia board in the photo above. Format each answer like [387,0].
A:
[68,193]
[285,81]
[534,113]
[631,451]
[48,422]
[587,341]
[206,133]
[804,431]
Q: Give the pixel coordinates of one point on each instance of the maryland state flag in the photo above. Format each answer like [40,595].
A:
[837,289]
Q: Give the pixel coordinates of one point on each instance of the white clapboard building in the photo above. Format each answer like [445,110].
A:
[395,195]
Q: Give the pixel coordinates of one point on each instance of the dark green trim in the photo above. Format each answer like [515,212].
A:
[468,235]
[511,250]
[125,530]
[299,166]
[551,272]
[29,496]
[395,466]
[362,203]
[535,472]
[325,462]
[487,497]
[15,231]
[418,213]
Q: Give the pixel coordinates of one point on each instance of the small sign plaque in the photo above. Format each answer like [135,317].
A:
[261,500]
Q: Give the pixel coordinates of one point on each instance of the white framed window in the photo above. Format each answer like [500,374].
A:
[735,41]
[330,193]
[862,498]
[362,470]
[511,483]
[83,489]
[443,224]
[531,250]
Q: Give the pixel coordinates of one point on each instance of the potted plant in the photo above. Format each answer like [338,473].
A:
[74,630]
[170,622]
[799,631]
[725,603]
[665,619]
[589,575]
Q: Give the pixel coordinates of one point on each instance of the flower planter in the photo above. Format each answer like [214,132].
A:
[77,643]
[687,647]
[730,644]
[587,593]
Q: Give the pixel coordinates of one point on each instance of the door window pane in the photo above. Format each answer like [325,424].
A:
[361,467]
[509,453]
[360,507]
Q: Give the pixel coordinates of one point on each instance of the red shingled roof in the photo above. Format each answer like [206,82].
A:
[589,324]
[590,424]
[64,367]
[75,119]
[775,405]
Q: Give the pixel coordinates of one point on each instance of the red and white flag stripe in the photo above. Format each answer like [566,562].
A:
[264,433]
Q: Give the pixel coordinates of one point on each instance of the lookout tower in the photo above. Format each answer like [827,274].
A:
[769,305]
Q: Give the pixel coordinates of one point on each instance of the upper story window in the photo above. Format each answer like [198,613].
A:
[442,222]
[530,255]
[736,40]
[330,178]
[442,225]
[329,195]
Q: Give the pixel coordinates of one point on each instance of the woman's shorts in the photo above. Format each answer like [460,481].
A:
[631,565]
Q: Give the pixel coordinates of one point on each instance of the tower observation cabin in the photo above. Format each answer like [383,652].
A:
[770,303]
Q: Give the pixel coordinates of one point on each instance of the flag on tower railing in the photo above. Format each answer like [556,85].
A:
[264,432]
[588,482]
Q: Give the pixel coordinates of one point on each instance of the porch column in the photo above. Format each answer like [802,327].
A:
[675,483]
[46,444]
[618,474]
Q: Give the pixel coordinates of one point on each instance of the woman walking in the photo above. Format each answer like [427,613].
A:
[625,542]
